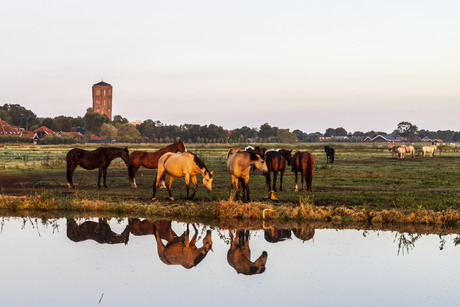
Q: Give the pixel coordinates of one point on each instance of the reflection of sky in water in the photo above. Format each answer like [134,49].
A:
[335,268]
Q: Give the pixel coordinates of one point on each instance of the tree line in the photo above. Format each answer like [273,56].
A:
[155,131]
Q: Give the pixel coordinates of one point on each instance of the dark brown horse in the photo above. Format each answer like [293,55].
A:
[98,231]
[150,159]
[276,161]
[303,162]
[239,255]
[99,158]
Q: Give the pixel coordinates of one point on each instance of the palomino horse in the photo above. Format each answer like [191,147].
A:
[182,165]
[98,231]
[238,165]
[231,151]
[239,255]
[276,162]
[395,150]
[303,162]
[330,153]
[430,149]
[258,150]
[401,152]
[181,251]
[150,159]
[410,150]
[99,158]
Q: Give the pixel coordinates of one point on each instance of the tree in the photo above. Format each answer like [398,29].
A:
[340,132]
[62,123]
[126,130]
[20,116]
[284,136]
[49,123]
[6,117]
[108,131]
[118,119]
[407,130]
[93,121]
[266,131]
[329,132]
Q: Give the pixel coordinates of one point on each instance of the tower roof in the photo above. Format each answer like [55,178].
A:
[102,83]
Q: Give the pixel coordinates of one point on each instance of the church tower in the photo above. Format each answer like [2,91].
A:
[102,98]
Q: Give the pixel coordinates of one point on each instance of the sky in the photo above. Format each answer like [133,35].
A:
[308,65]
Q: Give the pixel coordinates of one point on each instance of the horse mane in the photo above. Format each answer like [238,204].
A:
[254,156]
[200,164]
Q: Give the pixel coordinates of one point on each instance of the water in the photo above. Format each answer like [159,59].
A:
[61,264]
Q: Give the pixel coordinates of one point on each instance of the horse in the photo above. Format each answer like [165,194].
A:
[401,152]
[99,158]
[430,149]
[276,162]
[182,165]
[410,150]
[330,152]
[181,251]
[238,165]
[146,227]
[98,231]
[258,150]
[277,235]
[150,159]
[231,151]
[239,255]
[303,162]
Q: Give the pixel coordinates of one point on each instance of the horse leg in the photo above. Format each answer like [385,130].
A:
[193,178]
[187,183]
[281,180]
[275,174]
[99,178]
[268,179]
[104,173]
[170,180]
[296,187]
[246,186]
[155,183]
[70,169]
[133,183]
[162,181]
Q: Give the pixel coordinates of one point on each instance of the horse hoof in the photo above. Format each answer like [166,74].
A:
[171,198]
[153,198]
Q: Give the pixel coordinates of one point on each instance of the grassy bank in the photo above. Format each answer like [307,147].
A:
[365,184]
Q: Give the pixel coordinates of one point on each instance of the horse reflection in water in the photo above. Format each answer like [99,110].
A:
[98,231]
[179,250]
[239,255]
[273,235]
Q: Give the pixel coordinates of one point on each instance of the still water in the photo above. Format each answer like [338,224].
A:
[121,262]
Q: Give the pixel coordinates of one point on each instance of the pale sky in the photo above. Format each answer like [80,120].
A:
[308,65]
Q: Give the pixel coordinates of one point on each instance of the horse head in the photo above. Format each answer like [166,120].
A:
[182,147]
[259,163]
[287,154]
[207,181]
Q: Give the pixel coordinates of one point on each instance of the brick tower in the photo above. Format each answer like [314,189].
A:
[102,98]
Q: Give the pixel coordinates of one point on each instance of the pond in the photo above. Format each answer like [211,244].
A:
[123,262]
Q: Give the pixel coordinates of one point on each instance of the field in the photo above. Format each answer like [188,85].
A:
[363,177]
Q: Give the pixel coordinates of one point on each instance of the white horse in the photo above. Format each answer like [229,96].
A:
[401,152]
[430,149]
[410,150]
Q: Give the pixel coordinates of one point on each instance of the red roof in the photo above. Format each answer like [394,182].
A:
[95,138]
[46,130]
[6,129]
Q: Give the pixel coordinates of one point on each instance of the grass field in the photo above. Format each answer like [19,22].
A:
[364,176]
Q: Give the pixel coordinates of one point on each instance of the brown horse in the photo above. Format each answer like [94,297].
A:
[238,165]
[231,151]
[146,227]
[99,158]
[182,165]
[181,251]
[239,255]
[303,162]
[150,159]
[98,231]
[276,161]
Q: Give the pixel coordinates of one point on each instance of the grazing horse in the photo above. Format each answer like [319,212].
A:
[330,153]
[401,152]
[98,231]
[395,149]
[303,162]
[182,251]
[239,255]
[150,159]
[238,165]
[430,149]
[99,158]
[410,150]
[276,162]
[182,165]
[231,151]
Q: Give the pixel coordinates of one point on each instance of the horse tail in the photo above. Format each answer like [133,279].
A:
[309,170]
[268,162]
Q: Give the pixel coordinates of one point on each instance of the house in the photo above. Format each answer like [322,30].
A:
[94,139]
[43,131]
[7,129]
[387,138]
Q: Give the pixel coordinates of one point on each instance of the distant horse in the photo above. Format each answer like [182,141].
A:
[276,162]
[395,149]
[150,159]
[98,231]
[238,165]
[303,162]
[231,151]
[430,149]
[181,251]
[330,153]
[182,165]
[401,152]
[99,158]
[239,255]
[410,150]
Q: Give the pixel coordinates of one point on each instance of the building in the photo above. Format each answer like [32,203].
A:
[102,98]
[6,129]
